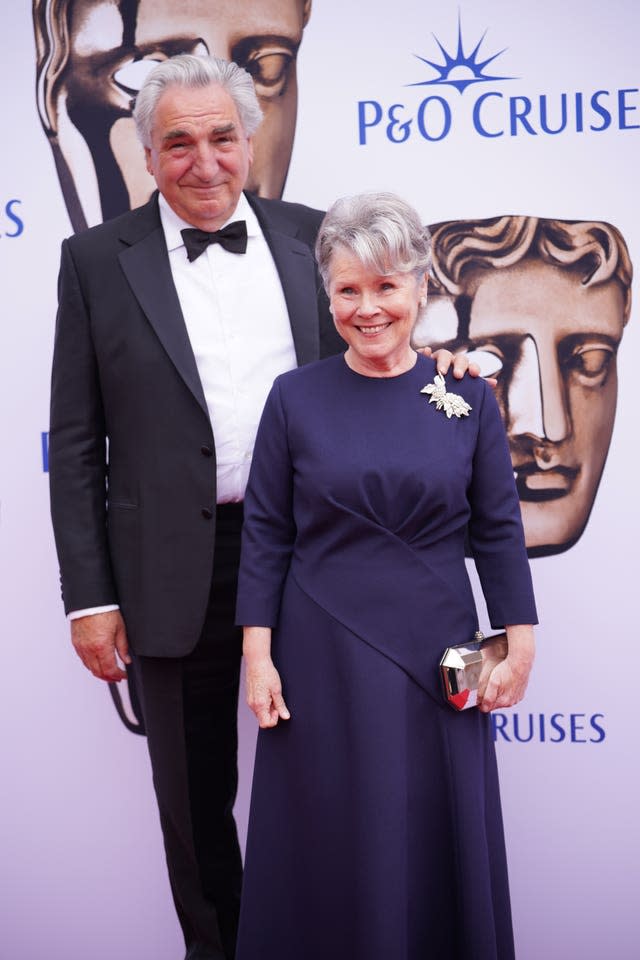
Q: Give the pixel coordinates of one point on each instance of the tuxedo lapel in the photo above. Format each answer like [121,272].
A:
[145,263]
[295,266]
[296,269]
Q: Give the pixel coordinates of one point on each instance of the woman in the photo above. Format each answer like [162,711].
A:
[375,829]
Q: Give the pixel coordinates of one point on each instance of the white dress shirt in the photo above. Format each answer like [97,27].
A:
[236,317]
[238,325]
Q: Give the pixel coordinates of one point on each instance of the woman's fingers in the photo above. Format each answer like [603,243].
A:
[505,687]
[280,706]
[264,696]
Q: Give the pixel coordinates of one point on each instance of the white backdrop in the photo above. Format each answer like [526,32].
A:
[81,864]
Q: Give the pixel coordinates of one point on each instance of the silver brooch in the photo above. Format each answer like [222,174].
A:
[452,403]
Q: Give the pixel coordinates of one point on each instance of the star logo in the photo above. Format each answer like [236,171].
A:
[460,70]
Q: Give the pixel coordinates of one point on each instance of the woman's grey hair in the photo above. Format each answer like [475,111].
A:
[189,71]
[383,231]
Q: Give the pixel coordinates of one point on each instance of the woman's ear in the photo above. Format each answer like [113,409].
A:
[422,291]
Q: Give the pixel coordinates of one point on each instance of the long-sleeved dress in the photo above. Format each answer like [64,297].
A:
[375,830]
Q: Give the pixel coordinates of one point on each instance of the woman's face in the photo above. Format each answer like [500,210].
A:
[374,313]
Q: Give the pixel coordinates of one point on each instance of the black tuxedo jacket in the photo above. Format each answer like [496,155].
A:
[131,448]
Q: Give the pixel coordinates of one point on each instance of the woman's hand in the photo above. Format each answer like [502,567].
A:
[507,682]
[264,689]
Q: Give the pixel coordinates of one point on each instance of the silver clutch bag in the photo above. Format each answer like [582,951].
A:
[463,665]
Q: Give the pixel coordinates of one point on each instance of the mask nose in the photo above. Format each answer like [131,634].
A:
[536,395]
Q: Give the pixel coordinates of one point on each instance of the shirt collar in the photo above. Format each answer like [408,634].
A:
[172,224]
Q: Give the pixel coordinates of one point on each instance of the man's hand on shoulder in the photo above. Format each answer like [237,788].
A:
[97,639]
[444,359]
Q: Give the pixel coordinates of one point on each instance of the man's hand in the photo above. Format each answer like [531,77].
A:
[461,364]
[97,639]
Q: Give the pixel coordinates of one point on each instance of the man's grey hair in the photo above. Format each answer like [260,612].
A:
[383,231]
[192,72]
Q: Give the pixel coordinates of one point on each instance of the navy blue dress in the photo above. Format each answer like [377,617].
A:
[375,830]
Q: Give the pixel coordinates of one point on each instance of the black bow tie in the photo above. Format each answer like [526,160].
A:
[233,237]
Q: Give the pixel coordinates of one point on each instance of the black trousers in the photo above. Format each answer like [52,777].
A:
[190,708]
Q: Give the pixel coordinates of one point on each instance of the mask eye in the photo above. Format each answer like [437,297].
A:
[490,363]
[133,74]
[592,365]
[270,71]
[588,361]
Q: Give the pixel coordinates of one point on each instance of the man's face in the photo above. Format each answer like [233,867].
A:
[553,342]
[112,48]
[199,154]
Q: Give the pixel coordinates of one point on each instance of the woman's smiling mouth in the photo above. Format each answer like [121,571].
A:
[371,331]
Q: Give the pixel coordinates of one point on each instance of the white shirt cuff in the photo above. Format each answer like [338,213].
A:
[91,611]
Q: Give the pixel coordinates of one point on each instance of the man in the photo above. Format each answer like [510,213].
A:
[93,56]
[163,343]
[541,305]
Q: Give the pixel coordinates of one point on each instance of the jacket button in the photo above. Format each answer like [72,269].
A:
[206,513]
[206,451]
